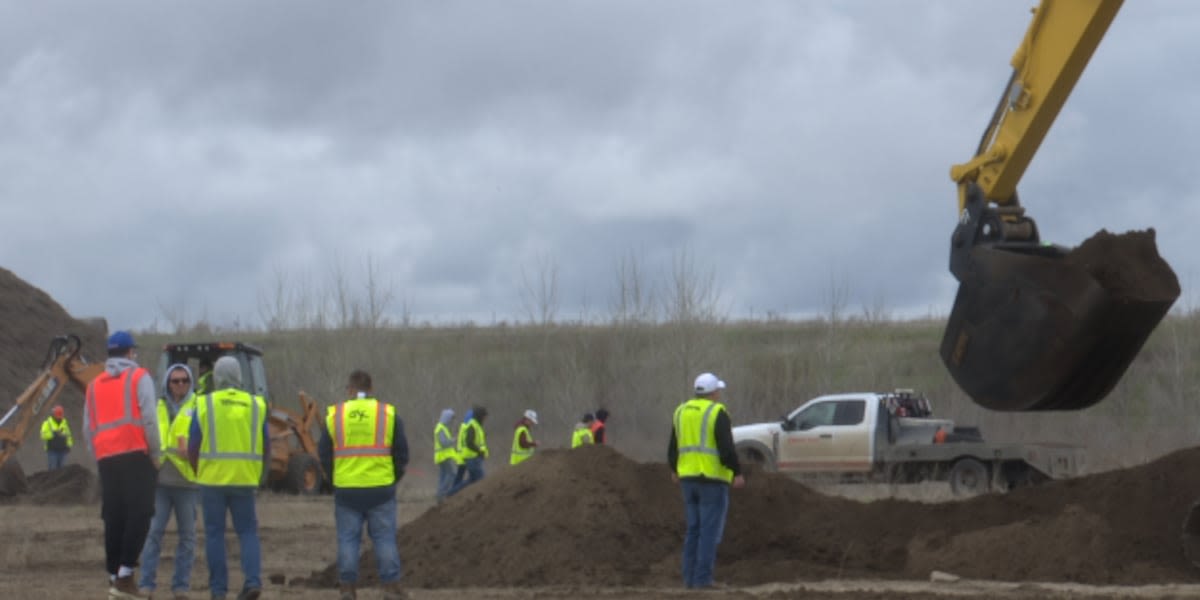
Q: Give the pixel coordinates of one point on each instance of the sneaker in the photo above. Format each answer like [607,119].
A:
[249,594]
[347,592]
[180,596]
[125,589]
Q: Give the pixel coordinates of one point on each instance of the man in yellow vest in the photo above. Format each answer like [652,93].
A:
[704,462]
[523,443]
[472,449]
[582,435]
[56,433]
[227,447]
[177,490]
[445,454]
[363,445]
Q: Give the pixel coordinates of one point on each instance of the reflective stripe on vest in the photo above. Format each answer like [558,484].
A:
[582,437]
[696,437]
[362,456]
[229,454]
[480,440]
[519,454]
[440,452]
[116,433]
[174,434]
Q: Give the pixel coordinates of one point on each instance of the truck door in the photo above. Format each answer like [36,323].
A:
[829,436]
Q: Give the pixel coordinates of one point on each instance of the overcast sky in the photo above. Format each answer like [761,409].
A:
[167,159]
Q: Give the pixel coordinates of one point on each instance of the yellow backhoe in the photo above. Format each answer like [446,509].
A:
[62,366]
[1037,326]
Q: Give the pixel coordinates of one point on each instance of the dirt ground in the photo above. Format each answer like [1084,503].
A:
[591,522]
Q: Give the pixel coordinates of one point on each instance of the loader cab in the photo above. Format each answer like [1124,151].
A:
[254,374]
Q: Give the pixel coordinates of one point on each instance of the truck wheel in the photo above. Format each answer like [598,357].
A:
[755,458]
[303,475]
[968,477]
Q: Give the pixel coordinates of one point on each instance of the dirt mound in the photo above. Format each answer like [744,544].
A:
[72,484]
[31,319]
[592,516]
[1127,265]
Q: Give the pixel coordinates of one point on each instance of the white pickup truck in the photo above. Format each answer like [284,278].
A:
[892,437]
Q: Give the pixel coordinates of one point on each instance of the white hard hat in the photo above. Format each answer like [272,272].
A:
[532,416]
[708,383]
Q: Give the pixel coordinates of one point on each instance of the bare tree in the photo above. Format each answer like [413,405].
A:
[539,293]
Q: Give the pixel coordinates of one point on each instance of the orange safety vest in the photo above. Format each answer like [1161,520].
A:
[114,417]
[594,427]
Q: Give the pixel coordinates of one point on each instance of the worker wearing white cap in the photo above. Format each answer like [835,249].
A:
[704,462]
[523,443]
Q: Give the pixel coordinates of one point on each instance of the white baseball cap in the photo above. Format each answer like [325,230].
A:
[707,383]
[532,416]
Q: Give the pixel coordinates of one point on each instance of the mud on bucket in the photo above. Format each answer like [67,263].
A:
[1038,327]
[1191,534]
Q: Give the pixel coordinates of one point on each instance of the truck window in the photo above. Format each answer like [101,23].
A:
[849,412]
[816,415]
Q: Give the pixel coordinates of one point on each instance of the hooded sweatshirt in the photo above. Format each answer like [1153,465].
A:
[168,474]
[447,440]
[147,402]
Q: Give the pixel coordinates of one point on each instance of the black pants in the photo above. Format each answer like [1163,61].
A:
[127,484]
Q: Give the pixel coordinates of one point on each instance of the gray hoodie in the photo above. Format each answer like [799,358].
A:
[147,402]
[168,473]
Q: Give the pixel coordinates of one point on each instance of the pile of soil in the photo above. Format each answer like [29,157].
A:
[72,484]
[1128,265]
[592,516]
[31,320]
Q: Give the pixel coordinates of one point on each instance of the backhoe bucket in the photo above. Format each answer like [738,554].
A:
[1037,327]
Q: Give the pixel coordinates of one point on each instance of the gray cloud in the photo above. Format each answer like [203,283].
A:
[189,156]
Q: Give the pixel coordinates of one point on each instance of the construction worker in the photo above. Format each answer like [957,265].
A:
[204,383]
[523,443]
[472,449]
[598,426]
[56,434]
[582,435]
[445,454]
[227,447]
[177,491]
[363,445]
[120,424]
[704,462]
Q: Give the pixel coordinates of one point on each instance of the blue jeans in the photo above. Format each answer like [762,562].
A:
[381,528]
[473,469]
[56,458]
[239,501]
[183,501]
[447,471]
[706,504]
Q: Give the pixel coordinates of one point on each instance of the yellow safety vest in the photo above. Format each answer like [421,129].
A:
[203,383]
[231,453]
[480,440]
[582,436]
[696,436]
[174,435]
[520,454]
[362,430]
[49,427]
[440,452]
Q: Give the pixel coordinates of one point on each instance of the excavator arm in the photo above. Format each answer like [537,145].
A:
[62,366]
[1037,326]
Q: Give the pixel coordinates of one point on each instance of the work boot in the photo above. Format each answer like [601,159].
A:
[125,588]
[393,591]
[347,590]
[249,594]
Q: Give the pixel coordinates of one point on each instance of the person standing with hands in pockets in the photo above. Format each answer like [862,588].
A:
[704,462]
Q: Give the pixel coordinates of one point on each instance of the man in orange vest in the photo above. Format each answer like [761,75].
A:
[120,424]
[597,426]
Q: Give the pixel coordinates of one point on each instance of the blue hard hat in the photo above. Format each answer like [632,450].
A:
[121,340]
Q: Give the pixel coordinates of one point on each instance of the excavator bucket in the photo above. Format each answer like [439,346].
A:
[1037,327]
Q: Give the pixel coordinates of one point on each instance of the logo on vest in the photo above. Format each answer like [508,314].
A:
[358,414]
